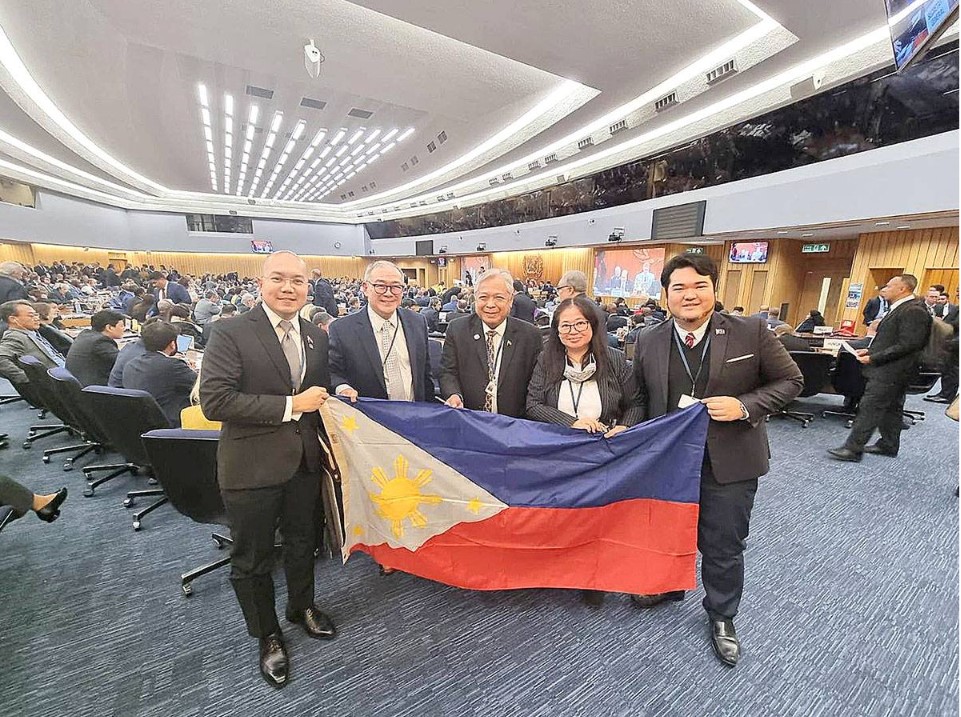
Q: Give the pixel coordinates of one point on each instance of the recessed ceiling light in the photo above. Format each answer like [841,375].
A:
[906,226]
[357,135]
[202,91]
[389,147]
[337,137]
[372,136]
[278,118]
[881,224]
[406,134]
[340,151]
[386,137]
[205,116]
[324,152]
[298,130]
[318,138]
[782,232]
[807,234]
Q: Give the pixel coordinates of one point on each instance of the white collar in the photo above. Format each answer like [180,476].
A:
[377,321]
[698,332]
[500,329]
[897,303]
[276,318]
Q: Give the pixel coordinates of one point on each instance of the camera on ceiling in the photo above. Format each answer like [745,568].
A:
[551,240]
[442,250]
[482,247]
[616,235]
[313,59]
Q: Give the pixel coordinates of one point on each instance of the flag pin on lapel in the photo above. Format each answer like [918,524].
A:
[476,337]
[720,332]
[508,343]
[310,343]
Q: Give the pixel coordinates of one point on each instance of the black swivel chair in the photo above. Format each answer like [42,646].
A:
[847,380]
[125,415]
[185,463]
[47,390]
[816,369]
[7,516]
[31,396]
[923,383]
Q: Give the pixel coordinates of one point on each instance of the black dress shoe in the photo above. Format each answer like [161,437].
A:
[879,450]
[649,601]
[725,642]
[315,623]
[274,665]
[51,511]
[844,454]
[937,399]
[594,598]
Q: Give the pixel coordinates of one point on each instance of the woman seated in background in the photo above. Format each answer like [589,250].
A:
[49,315]
[22,500]
[142,307]
[814,319]
[192,417]
[581,382]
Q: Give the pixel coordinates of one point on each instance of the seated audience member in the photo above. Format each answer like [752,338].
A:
[94,353]
[207,307]
[615,320]
[322,319]
[169,380]
[23,500]
[49,328]
[461,311]
[142,307]
[762,312]
[192,417]
[136,293]
[814,319]
[127,354]
[432,314]
[637,325]
[23,339]
[580,382]
[523,307]
[773,319]
[737,311]
[452,296]
[789,340]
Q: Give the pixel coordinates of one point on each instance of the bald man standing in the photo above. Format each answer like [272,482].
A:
[264,377]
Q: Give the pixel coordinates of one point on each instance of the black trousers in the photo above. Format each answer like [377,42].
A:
[880,408]
[722,530]
[15,495]
[949,371]
[254,516]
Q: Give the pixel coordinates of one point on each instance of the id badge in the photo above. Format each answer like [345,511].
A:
[686,401]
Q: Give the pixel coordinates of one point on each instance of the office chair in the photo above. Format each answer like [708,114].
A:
[40,430]
[7,516]
[923,383]
[816,369]
[185,463]
[125,415]
[847,380]
[47,391]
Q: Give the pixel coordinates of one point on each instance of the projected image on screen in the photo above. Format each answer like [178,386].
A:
[473,267]
[914,25]
[748,252]
[628,272]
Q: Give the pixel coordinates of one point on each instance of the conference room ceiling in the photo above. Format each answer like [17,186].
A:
[488,97]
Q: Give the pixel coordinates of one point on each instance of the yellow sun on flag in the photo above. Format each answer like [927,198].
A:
[349,424]
[400,496]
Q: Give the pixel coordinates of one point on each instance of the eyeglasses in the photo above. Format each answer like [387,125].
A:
[577,327]
[382,289]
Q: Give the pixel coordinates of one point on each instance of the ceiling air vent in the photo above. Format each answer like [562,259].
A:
[561,178]
[618,126]
[440,198]
[360,114]
[507,177]
[533,166]
[343,196]
[255,91]
[585,143]
[431,148]
[442,137]
[414,161]
[423,202]
[404,167]
[550,159]
[373,184]
[719,73]
[494,181]
[450,195]
[364,188]
[350,194]
[313,104]
[666,101]
[683,221]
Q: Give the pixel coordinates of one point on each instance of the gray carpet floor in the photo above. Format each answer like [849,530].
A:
[851,608]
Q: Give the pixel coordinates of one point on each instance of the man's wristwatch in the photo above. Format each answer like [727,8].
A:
[744,414]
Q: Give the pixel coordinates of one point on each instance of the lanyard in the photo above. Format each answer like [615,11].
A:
[687,366]
[580,390]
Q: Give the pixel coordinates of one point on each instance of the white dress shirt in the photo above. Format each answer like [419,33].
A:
[588,399]
[275,320]
[698,332]
[399,349]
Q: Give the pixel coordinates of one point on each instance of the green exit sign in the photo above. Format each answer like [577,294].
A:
[695,250]
[815,248]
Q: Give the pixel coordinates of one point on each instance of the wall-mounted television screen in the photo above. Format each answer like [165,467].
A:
[424,247]
[748,252]
[628,272]
[261,246]
[915,24]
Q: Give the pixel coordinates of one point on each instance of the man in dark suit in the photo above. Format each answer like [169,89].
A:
[11,282]
[890,363]
[523,307]
[110,278]
[949,368]
[323,293]
[876,307]
[736,367]
[488,359]
[432,314]
[169,290]
[94,352]
[22,338]
[169,380]
[264,377]
[381,352]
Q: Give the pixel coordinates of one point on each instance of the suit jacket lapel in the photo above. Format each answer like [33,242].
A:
[268,337]
[310,355]
[507,349]
[661,355]
[717,333]
[414,349]
[369,341]
[479,345]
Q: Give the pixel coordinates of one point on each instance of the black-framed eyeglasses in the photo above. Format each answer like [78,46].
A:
[382,289]
[576,327]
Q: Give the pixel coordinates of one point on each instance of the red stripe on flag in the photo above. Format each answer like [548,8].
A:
[633,546]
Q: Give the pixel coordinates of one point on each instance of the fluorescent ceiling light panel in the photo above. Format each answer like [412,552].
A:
[357,135]
[337,137]
[406,134]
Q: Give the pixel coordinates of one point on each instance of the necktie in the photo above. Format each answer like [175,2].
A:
[292,352]
[689,340]
[491,358]
[48,349]
[392,377]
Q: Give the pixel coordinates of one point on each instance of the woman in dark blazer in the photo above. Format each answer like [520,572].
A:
[579,381]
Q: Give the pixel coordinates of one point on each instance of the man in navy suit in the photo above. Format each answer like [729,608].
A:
[381,352]
[169,380]
[169,290]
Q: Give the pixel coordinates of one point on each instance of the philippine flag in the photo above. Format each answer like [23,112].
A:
[489,502]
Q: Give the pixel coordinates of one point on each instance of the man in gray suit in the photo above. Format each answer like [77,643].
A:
[22,339]
[742,373]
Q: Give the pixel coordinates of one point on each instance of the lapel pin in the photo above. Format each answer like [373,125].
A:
[476,337]
[310,343]
[720,332]
[508,343]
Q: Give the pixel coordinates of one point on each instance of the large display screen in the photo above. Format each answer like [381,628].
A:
[748,252]
[260,246]
[628,272]
[915,24]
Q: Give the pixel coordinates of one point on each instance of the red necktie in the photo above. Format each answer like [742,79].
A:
[689,340]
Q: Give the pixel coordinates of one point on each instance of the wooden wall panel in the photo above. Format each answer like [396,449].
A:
[926,253]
